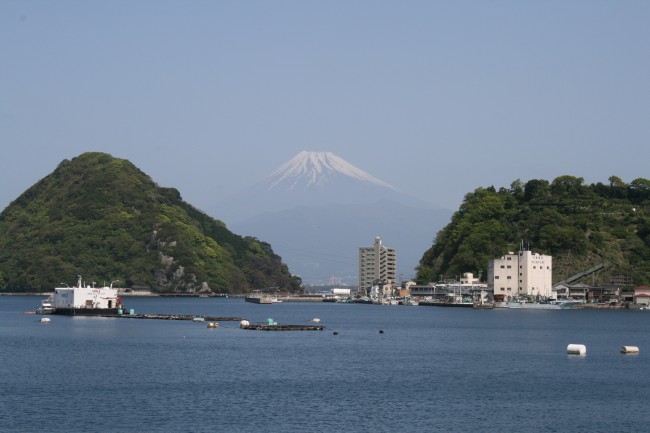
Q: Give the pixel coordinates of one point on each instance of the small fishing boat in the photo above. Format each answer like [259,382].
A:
[46,307]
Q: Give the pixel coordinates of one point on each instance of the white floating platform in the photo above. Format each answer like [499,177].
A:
[576,349]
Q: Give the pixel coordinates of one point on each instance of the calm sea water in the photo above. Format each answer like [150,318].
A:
[431,370]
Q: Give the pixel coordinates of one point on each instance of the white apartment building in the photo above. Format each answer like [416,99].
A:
[522,274]
[376,263]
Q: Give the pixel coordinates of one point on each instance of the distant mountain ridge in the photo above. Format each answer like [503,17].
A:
[102,218]
[317,209]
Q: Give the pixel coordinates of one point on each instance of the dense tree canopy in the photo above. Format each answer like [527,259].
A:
[579,225]
[102,218]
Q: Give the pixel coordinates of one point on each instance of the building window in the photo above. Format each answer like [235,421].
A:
[509,266]
[509,277]
[502,267]
[496,277]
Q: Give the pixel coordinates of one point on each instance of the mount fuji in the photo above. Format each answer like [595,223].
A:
[316,169]
[317,209]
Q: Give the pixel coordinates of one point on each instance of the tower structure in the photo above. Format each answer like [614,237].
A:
[377,266]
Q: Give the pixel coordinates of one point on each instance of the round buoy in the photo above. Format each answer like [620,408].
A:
[576,349]
[381,331]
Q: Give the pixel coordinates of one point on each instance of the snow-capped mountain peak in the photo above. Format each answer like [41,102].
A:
[317,207]
[316,168]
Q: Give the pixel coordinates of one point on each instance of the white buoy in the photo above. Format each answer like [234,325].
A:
[576,349]
[629,349]
[45,320]
[315,320]
[243,323]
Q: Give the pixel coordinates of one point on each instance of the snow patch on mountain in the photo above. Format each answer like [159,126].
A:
[316,168]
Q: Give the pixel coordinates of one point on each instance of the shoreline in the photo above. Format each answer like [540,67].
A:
[141,294]
[26,293]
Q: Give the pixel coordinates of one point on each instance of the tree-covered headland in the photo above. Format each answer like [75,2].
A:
[579,225]
[102,218]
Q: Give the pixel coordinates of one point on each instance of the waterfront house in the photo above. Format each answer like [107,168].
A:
[571,291]
[605,293]
[642,295]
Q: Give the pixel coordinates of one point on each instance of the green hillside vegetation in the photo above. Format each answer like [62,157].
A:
[579,225]
[102,218]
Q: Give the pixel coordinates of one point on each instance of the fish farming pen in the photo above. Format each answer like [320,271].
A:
[271,325]
[194,318]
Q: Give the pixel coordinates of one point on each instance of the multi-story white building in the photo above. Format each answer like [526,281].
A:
[522,274]
[376,263]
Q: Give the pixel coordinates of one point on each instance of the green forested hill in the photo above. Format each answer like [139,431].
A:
[579,225]
[102,218]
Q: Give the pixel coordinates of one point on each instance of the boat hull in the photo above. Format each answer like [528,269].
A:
[524,306]
[446,304]
[553,306]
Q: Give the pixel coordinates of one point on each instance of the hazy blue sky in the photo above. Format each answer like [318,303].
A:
[434,97]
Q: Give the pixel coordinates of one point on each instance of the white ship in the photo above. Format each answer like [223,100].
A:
[80,300]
